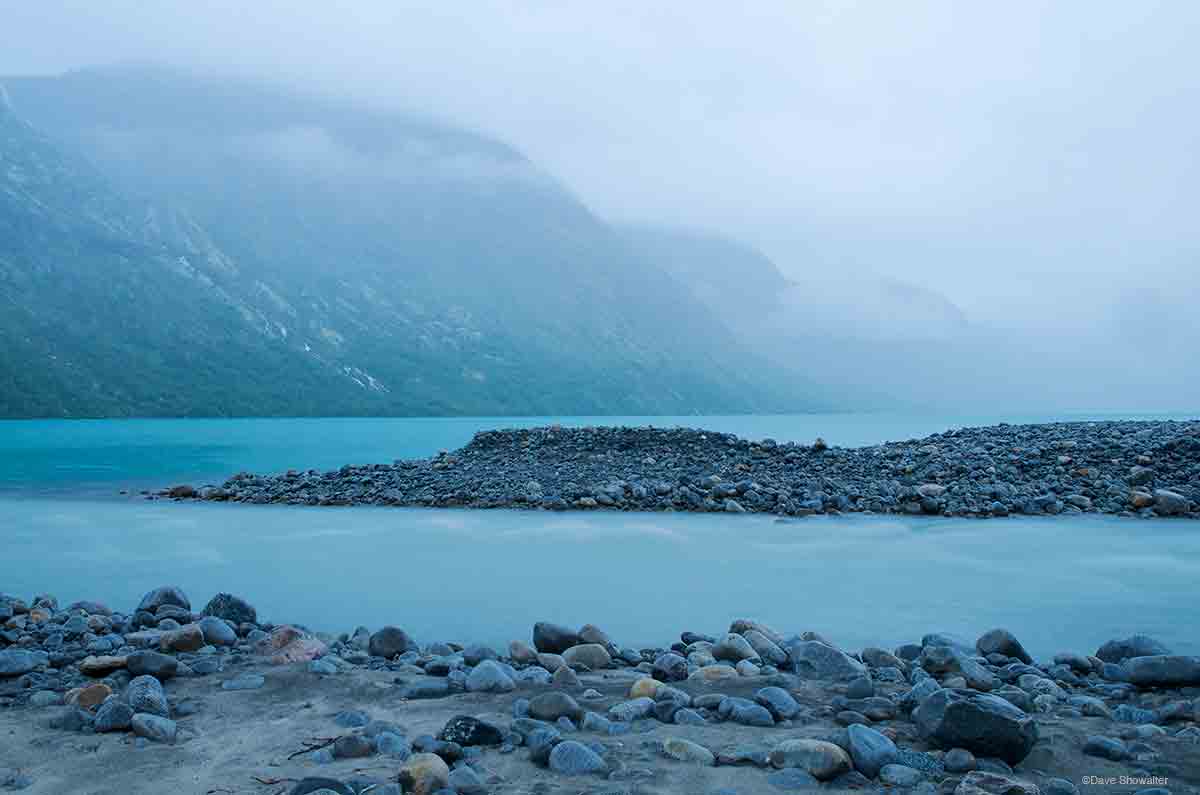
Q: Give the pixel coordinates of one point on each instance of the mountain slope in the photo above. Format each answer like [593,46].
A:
[263,253]
[96,322]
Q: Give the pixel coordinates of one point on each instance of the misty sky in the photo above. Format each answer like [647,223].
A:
[1033,161]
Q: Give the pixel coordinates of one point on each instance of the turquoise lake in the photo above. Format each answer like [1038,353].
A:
[1058,583]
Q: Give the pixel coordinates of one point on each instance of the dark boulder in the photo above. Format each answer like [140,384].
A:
[553,638]
[1164,670]
[390,642]
[1120,649]
[466,731]
[165,595]
[231,608]
[984,724]
[1001,641]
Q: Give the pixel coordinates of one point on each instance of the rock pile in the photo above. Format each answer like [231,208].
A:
[1129,468]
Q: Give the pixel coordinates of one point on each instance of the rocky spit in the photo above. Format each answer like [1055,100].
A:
[165,699]
[1131,468]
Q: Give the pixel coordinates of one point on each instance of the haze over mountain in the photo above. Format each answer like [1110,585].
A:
[179,245]
[968,207]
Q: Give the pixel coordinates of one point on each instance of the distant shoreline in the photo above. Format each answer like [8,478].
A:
[1130,468]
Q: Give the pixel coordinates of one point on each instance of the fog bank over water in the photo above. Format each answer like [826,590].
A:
[971,204]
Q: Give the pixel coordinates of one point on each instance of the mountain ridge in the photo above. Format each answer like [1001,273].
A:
[344,270]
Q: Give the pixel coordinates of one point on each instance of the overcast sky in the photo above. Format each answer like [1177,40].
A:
[1027,159]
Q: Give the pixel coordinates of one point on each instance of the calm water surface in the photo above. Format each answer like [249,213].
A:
[1060,583]
[488,575]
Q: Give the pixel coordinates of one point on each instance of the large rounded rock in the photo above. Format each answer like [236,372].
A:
[870,749]
[424,774]
[778,701]
[590,633]
[984,724]
[818,660]
[733,648]
[1164,670]
[1121,649]
[390,642]
[1170,503]
[669,667]
[165,595]
[553,638]
[1001,641]
[186,638]
[821,760]
[145,694]
[571,758]
[554,705]
[745,712]
[490,677]
[592,656]
[231,608]
[688,751]
[216,632]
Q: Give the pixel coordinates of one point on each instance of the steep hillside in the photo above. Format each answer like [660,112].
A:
[181,246]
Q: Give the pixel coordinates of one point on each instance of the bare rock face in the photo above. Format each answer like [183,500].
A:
[984,724]
[287,644]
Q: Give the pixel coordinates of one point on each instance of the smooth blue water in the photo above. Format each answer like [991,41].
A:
[489,575]
[1059,583]
[100,456]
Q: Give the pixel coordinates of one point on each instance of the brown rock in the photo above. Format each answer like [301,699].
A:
[89,697]
[101,666]
[424,774]
[1141,499]
[186,638]
[287,644]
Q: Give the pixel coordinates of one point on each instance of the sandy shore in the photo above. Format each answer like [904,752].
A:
[240,707]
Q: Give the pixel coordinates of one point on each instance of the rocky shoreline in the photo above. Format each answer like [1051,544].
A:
[163,698]
[1127,468]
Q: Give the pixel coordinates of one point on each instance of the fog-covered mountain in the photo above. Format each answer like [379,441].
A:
[174,245]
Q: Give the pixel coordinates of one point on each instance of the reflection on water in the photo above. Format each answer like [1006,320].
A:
[1059,583]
